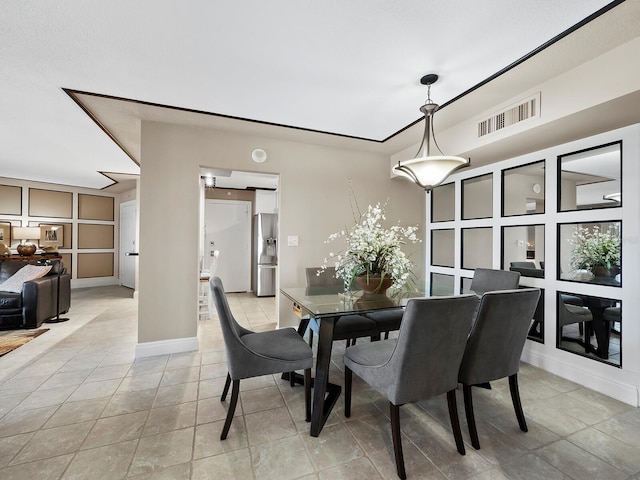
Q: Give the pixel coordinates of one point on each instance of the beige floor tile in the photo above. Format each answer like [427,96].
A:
[358,468]
[234,465]
[129,402]
[619,454]
[578,463]
[25,421]
[174,394]
[158,452]
[208,443]
[49,469]
[181,471]
[45,398]
[89,391]
[76,412]
[53,442]
[261,399]
[269,425]
[110,462]
[281,459]
[334,446]
[173,417]
[212,409]
[180,375]
[116,429]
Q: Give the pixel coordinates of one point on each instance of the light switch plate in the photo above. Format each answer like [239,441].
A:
[292,241]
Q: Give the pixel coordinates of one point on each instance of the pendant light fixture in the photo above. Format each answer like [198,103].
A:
[425,169]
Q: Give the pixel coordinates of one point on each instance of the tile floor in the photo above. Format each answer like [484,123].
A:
[74,404]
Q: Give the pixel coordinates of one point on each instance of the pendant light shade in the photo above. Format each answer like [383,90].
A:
[426,170]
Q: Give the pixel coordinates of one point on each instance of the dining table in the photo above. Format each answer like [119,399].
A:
[325,306]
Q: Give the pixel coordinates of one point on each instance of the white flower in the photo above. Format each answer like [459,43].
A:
[374,250]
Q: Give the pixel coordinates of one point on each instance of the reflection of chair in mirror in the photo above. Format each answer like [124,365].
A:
[570,311]
[421,364]
[527,269]
[495,345]
[347,327]
[523,264]
[251,354]
[487,280]
[612,315]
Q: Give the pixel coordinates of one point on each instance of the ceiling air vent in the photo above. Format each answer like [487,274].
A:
[510,115]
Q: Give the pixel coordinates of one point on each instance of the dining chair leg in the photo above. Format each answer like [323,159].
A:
[235,390]
[307,395]
[397,440]
[471,418]
[311,338]
[455,421]
[225,390]
[348,377]
[515,398]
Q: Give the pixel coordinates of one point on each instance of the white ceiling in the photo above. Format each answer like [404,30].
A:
[349,68]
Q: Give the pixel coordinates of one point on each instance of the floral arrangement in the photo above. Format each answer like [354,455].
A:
[595,248]
[372,250]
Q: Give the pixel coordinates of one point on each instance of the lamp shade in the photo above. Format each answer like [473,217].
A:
[26,233]
[429,172]
[426,170]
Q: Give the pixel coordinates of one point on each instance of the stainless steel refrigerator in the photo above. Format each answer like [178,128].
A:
[265,254]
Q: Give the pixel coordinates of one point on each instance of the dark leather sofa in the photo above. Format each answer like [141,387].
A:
[38,299]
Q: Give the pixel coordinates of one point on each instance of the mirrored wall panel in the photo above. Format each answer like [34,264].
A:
[590,326]
[523,190]
[523,250]
[465,285]
[590,178]
[477,197]
[477,247]
[443,199]
[442,285]
[443,247]
[536,331]
[590,252]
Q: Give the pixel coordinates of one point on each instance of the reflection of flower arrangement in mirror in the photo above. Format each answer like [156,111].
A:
[372,250]
[593,247]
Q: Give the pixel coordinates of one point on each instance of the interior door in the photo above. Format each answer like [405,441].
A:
[128,244]
[228,230]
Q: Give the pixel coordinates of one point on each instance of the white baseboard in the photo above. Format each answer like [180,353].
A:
[624,392]
[165,347]
[93,282]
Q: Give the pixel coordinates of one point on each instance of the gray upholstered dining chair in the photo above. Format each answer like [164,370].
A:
[421,363]
[495,345]
[251,354]
[347,327]
[488,280]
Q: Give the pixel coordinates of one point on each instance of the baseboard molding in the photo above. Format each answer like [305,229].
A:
[165,347]
[94,282]
[624,392]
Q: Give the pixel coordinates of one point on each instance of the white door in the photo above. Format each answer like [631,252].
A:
[128,244]
[228,230]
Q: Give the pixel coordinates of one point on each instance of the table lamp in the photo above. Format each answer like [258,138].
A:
[25,234]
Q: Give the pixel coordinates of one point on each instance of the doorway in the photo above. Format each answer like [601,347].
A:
[227,229]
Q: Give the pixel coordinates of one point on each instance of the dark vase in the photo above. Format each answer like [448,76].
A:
[601,271]
[373,284]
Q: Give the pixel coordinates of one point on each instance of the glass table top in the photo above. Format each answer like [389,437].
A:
[319,301]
